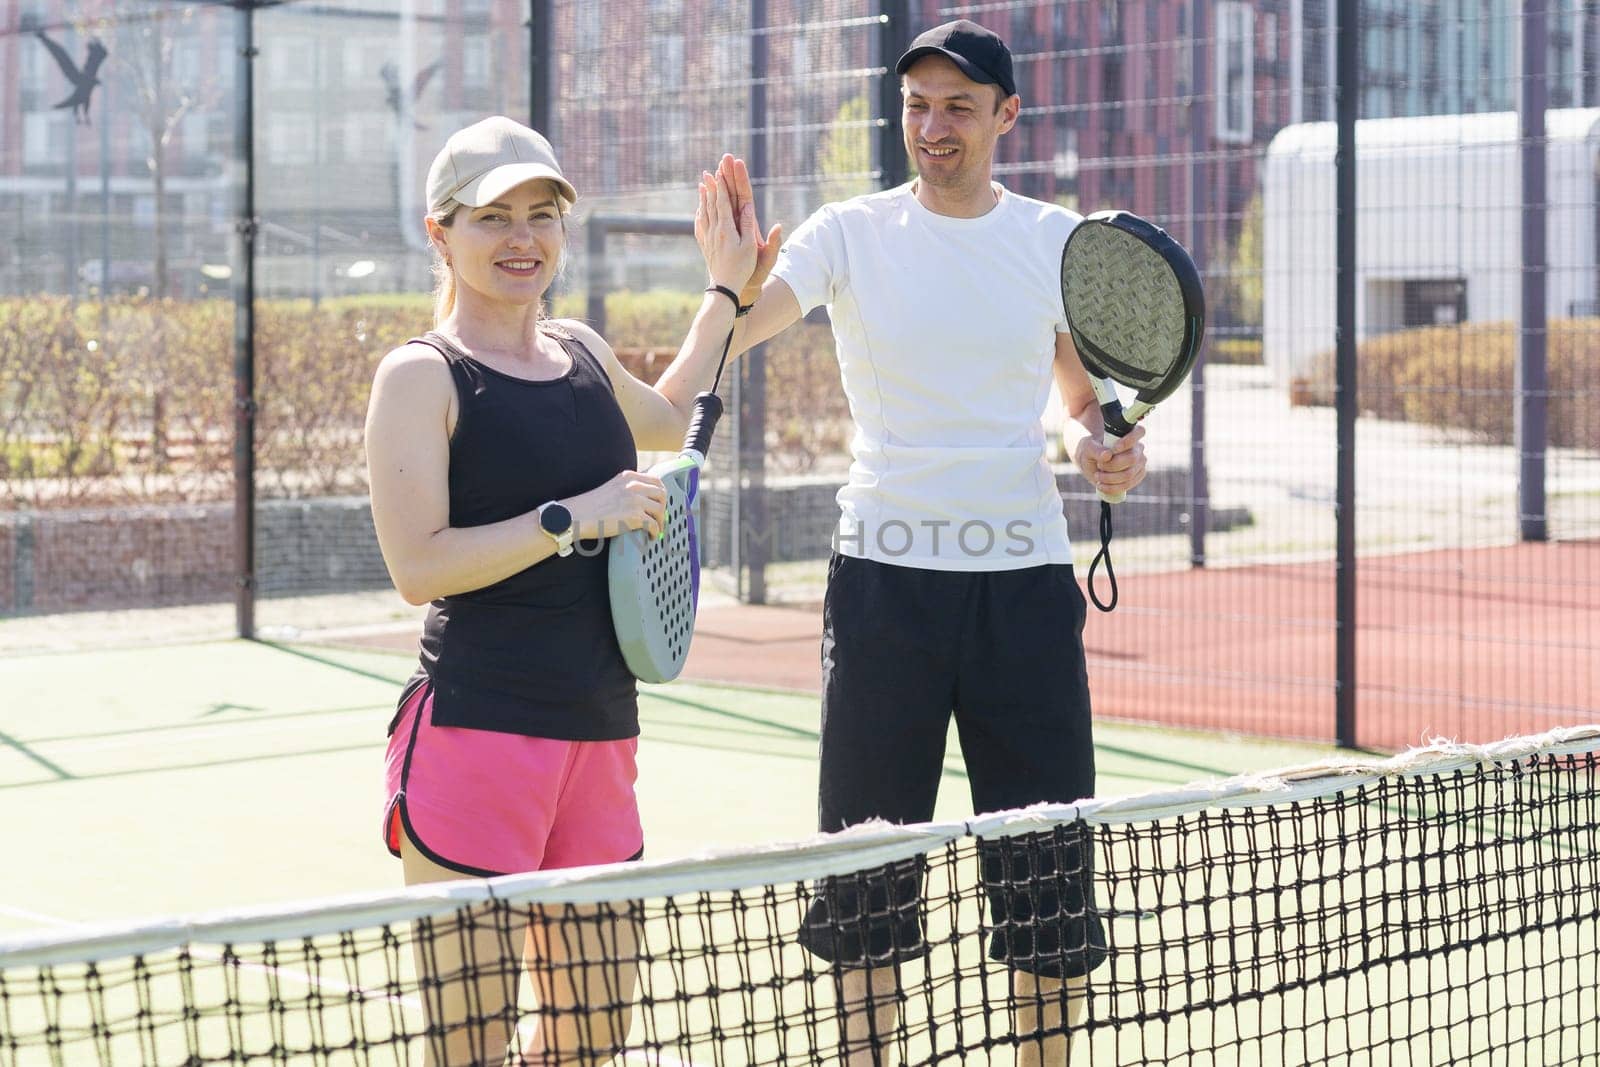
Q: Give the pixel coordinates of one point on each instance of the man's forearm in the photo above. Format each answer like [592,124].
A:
[774,311]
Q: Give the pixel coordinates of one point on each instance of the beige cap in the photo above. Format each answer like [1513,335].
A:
[488,159]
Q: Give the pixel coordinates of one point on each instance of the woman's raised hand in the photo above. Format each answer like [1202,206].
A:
[730,249]
[736,176]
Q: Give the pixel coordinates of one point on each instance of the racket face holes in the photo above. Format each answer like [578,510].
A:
[661,597]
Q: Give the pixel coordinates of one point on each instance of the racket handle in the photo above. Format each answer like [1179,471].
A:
[703,423]
[1111,440]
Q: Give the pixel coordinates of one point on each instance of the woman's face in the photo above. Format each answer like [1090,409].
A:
[509,250]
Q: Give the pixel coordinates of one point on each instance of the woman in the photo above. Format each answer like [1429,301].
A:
[500,447]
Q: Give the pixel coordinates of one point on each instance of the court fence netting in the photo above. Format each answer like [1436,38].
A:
[1441,906]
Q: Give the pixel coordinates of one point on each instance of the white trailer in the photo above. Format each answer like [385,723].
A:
[1438,232]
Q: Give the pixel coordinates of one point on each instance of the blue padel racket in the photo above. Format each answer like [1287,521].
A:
[655,581]
[1137,314]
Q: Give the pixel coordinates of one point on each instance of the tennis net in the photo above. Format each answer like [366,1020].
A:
[1438,907]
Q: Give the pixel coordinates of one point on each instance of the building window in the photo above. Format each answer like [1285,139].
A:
[730,54]
[1111,94]
[1235,71]
[588,74]
[667,147]
[44,138]
[666,61]
[475,62]
[196,135]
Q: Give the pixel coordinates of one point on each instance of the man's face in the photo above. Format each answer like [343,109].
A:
[952,122]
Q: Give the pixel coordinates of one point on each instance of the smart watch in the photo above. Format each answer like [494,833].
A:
[556,520]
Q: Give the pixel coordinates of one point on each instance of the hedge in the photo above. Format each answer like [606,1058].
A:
[1462,377]
[132,402]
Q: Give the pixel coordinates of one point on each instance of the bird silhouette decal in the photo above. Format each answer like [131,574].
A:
[83,79]
[391,85]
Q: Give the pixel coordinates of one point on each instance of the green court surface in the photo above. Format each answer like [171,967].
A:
[189,778]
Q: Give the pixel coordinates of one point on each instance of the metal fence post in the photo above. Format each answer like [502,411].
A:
[1199,183]
[244,325]
[541,62]
[754,511]
[894,35]
[1532,373]
[1348,105]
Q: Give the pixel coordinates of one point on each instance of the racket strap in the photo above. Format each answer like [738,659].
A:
[1104,554]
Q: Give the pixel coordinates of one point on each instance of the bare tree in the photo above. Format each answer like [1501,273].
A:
[161,97]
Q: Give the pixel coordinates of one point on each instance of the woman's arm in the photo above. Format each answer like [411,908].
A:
[409,420]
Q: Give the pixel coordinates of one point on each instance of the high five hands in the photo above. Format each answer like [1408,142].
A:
[727,241]
[734,176]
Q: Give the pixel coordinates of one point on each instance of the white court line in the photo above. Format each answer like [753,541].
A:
[186,734]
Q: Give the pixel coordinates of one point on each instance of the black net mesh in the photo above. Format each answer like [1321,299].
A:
[1442,907]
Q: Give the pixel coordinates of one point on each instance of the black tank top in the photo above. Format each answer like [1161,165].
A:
[535,653]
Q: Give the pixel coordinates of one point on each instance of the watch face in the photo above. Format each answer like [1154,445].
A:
[555,519]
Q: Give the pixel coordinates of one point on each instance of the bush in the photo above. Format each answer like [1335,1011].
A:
[807,415]
[1463,377]
[1234,350]
[133,402]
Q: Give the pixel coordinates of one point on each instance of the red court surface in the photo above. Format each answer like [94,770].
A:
[1473,644]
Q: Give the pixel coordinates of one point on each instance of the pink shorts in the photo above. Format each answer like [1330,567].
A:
[486,803]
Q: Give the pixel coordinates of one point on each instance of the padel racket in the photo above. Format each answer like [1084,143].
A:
[1137,314]
[655,581]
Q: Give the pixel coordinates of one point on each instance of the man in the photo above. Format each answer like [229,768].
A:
[951,587]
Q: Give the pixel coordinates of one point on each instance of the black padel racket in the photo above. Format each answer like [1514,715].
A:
[1137,314]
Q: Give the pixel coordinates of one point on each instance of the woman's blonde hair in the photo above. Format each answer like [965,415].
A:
[444,277]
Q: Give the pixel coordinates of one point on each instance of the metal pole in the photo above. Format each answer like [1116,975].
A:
[74,217]
[105,209]
[596,231]
[894,36]
[316,172]
[756,547]
[244,354]
[1532,375]
[541,61]
[1348,102]
[1199,136]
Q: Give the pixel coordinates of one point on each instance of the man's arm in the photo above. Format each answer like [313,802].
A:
[774,311]
[1111,470]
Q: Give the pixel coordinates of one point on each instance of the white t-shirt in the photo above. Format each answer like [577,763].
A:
[945,330]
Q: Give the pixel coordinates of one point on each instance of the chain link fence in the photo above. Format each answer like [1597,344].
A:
[1451,592]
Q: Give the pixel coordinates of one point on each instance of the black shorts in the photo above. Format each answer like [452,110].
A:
[903,648]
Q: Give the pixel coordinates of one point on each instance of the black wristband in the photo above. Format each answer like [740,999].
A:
[744,309]
[725,291]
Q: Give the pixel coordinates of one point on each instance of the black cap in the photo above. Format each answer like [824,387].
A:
[981,55]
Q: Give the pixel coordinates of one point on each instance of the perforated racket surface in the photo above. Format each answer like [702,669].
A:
[655,582]
[1134,304]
